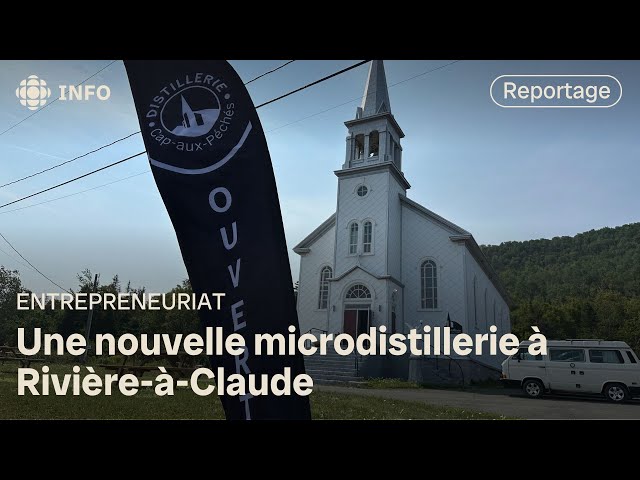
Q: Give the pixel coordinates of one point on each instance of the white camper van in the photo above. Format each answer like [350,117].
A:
[601,367]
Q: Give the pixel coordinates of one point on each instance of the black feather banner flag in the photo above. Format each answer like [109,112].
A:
[210,161]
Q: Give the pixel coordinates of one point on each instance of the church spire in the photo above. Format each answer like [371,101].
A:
[376,94]
[374,135]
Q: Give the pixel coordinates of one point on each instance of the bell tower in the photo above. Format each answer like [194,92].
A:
[368,228]
[374,135]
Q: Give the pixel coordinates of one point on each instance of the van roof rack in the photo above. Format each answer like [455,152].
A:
[585,340]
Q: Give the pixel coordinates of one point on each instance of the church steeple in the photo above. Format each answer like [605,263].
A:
[374,135]
[376,94]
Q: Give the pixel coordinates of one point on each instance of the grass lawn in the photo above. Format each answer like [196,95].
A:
[187,405]
[395,383]
[389,383]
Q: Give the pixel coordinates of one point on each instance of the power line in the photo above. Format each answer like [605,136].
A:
[31,264]
[323,79]
[424,73]
[51,188]
[68,161]
[13,258]
[360,97]
[55,100]
[141,153]
[270,71]
[115,141]
[74,179]
[76,193]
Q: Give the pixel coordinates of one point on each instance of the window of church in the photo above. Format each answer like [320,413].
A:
[494,312]
[486,311]
[362,190]
[323,297]
[358,292]
[475,302]
[374,144]
[429,285]
[367,237]
[353,238]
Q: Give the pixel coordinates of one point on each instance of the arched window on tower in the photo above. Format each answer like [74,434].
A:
[353,238]
[429,284]
[358,148]
[367,237]
[374,144]
[323,296]
[391,147]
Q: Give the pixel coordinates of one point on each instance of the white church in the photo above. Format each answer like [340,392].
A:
[382,258]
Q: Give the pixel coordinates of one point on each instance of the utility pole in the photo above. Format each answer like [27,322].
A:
[87,331]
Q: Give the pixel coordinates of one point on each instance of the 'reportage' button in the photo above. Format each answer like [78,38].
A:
[556,91]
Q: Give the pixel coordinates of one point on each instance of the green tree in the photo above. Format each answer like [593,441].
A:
[10,317]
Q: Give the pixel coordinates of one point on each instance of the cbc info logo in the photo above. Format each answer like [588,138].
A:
[33,92]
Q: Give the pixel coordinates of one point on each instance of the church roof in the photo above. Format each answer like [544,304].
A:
[376,93]
[433,216]
[303,246]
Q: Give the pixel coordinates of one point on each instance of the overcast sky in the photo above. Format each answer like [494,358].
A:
[503,174]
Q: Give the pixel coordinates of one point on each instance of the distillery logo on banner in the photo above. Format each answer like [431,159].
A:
[202,134]
[192,114]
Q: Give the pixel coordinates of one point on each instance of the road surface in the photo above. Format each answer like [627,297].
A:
[507,402]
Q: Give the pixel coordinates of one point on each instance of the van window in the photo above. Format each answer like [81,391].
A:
[632,359]
[566,355]
[523,354]
[605,356]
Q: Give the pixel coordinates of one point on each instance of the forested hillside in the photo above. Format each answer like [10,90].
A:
[587,286]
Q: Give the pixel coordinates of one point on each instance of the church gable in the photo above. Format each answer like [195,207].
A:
[359,268]
[305,245]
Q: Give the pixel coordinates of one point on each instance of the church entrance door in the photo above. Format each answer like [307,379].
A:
[356,319]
